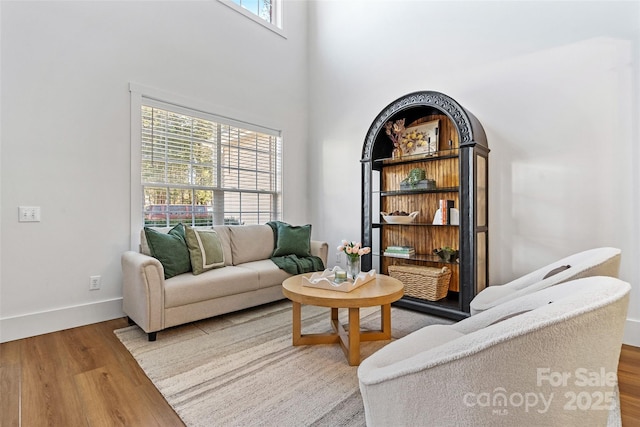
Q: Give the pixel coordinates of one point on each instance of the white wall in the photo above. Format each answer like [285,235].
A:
[65,74]
[555,85]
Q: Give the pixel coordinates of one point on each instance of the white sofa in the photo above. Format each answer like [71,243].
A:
[248,278]
[548,358]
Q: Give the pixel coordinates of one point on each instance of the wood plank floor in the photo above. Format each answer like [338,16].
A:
[629,382]
[78,377]
[85,377]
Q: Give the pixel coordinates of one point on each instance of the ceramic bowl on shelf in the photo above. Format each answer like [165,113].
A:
[399,219]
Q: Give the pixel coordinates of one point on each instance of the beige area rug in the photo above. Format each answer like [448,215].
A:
[240,369]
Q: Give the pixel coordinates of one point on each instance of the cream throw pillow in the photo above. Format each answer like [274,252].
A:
[205,249]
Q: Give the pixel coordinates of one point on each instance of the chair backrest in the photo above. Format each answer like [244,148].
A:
[604,261]
[547,358]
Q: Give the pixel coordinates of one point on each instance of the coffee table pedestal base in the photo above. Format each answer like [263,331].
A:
[349,339]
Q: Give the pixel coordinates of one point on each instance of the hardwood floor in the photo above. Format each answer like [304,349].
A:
[629,382]
[78,377]
[85,377]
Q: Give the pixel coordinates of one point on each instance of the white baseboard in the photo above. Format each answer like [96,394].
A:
[632,332]
[32,324]
[29,325]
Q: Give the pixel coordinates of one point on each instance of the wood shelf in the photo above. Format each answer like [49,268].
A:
[417,191]
[413,224]
[440,155]
[420,257]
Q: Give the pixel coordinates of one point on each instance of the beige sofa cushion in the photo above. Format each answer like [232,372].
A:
[251,243]
[186,288]
[268,273]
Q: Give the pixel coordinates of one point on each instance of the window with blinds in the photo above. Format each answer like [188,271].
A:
[199,171]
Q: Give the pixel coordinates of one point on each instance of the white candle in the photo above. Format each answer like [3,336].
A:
[340,276]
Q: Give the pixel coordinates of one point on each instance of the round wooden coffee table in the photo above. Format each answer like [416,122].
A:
[382,291]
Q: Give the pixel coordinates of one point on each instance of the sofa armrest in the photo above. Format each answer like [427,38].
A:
[320,249]
[143,290]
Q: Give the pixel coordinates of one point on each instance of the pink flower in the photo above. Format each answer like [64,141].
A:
[353,249]
[364,251]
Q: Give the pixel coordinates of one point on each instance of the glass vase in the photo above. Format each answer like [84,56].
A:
[353,267]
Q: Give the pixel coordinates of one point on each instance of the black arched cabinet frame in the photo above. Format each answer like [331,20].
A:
[472,155]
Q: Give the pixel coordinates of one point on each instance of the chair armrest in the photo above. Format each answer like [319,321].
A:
[320,249]
[143,290]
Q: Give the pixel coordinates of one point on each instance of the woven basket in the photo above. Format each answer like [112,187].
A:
[428,283]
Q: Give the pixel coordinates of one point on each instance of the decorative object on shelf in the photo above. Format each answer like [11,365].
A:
[394,131]
[446,214]
[417,180]
[399,217]
[425,184]
[354,251]
[414,177]
[447,254]
[430,283]
[421,139]
[400,251]
[445,207]
[327,280]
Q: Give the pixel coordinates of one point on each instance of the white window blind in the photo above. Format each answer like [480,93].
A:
[200,170]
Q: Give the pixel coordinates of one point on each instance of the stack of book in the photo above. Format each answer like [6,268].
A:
[400,251]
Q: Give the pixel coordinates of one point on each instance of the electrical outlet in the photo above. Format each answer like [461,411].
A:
[29,213]
[94,283]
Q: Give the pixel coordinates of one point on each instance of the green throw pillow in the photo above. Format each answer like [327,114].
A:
[205,249]
[170,249]
[293,240]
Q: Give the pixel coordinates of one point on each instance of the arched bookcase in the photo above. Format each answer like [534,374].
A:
[458,162]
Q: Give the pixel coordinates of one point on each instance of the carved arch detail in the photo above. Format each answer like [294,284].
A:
[436,100]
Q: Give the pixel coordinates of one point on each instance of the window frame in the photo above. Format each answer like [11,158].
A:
[141,95]
[278,12]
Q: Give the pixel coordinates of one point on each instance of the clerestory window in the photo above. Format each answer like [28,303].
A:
[262,8]
[261,11]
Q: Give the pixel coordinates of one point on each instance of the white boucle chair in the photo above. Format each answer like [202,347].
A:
[593,262]
[549,358]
